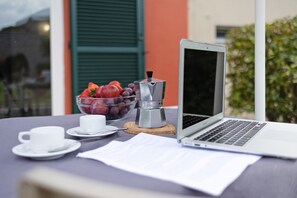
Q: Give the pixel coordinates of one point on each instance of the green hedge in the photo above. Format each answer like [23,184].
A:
[281,69]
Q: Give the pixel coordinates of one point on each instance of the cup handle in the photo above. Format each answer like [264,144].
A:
[21,134]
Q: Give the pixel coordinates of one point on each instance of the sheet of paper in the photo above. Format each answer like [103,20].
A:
[163,158]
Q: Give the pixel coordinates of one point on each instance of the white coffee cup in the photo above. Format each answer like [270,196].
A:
[92,123]
[43,139]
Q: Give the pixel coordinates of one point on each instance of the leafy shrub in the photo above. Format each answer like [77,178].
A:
[281,69]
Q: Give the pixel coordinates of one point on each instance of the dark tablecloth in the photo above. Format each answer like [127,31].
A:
[269,177]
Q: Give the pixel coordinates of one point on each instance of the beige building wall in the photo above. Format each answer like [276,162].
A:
[206,15]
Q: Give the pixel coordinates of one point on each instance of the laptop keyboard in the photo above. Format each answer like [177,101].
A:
[232,132]
[189,120]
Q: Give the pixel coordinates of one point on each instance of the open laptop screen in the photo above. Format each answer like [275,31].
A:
[203,83]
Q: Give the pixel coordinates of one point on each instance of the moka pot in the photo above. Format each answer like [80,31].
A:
[150,95]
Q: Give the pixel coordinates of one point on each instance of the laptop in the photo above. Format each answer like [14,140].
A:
[201,119]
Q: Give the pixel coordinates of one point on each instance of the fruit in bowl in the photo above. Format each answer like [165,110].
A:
[110,100]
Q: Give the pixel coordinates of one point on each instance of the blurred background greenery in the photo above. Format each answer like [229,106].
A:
[281,69]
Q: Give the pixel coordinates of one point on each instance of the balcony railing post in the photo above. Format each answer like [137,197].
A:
[260,60]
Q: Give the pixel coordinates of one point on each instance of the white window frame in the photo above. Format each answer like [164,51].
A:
[57,57]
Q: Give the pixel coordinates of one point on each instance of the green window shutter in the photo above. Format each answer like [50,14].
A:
[106,42]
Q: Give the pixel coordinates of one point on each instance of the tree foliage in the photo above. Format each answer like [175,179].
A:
[281,69]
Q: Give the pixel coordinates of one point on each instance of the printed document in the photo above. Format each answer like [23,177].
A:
[163,158]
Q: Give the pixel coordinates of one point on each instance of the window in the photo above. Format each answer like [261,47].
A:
[25,58]
[107,42]
[221,32]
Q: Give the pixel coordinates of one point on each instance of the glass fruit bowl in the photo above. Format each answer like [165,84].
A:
[112,108]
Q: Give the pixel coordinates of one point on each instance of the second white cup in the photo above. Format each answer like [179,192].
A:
[92,123]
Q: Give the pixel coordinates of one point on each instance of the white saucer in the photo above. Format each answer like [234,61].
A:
[99,134]
[23,151]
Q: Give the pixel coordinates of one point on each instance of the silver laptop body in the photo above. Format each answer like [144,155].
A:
[202,75]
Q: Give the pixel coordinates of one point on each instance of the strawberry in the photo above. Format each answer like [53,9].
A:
[84,94]
[92,89]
